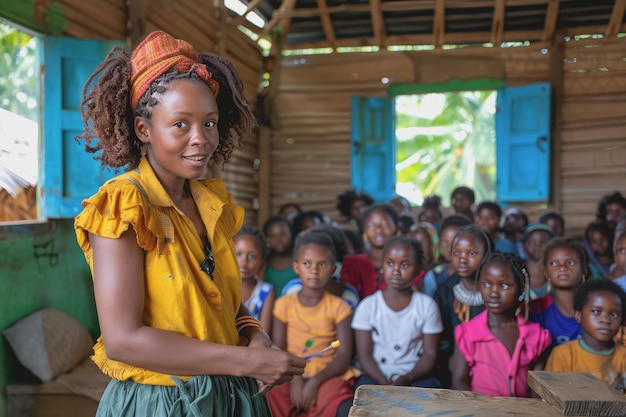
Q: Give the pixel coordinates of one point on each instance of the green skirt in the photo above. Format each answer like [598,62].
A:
[200,396]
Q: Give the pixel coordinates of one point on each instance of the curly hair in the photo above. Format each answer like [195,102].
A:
[109,120]
[345,200]
[616,197]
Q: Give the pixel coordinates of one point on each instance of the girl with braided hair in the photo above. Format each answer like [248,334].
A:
[495,350]
[458,297]
[175,337]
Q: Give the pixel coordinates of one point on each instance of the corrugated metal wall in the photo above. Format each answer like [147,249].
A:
[310,156]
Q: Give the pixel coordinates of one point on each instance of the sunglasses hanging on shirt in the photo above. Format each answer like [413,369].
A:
[208,264]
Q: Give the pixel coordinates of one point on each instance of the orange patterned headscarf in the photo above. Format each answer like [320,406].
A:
[158,53]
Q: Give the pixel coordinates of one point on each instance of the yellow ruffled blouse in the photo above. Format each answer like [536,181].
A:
[179,297]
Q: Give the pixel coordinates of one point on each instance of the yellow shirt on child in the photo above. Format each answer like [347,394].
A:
[311,329]
[572,357]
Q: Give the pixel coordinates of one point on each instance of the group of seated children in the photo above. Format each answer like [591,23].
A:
[470,302]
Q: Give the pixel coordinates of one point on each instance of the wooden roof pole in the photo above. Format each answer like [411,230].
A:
[327,24]
[439,23]
[497,25]
[222,34]
[617,16]
[278,35]
[378,24]
[557,54]
[281,17]
[552,16]
[136,22]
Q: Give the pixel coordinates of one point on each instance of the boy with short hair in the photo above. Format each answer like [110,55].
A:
[600,306]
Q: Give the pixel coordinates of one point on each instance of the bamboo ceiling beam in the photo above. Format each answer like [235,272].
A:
[497,24]
[281,17]
[251,6]
[398,6]
[464,38]
[439,23]
[552,16]
[617,16]
[378,24]
[327,24]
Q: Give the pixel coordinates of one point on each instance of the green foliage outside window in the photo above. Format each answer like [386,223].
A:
[18,81]
[445,140]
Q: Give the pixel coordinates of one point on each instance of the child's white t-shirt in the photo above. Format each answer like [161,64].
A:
[397,335]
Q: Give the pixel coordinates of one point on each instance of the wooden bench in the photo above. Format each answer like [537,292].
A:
[571,394]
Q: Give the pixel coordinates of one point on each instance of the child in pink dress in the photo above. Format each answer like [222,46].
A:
[496,349]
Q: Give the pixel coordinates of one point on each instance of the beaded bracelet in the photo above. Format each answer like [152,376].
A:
[247,321]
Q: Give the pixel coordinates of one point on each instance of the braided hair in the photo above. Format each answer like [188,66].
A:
[518,268]
[109,120]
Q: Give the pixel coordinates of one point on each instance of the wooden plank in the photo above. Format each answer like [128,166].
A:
[383,400]
[497,24]
[552,16]
[577,394]
[617,17]
[556,129]
[378,24]
[327,24]
[439,23]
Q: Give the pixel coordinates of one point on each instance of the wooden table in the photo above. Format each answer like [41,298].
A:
[565,394]
[385,400]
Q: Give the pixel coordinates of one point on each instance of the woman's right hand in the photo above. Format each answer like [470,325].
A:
[274,366]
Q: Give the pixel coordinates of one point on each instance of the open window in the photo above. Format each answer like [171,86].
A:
[42,157]
[522,142]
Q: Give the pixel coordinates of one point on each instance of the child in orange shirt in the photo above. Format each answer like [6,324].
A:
[306,322]
[600,306]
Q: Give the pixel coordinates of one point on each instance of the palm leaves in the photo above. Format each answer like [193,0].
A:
[446,140]
[18,86]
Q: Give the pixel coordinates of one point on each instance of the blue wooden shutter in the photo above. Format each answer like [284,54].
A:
[523,143]
[69,174]
[374,146]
